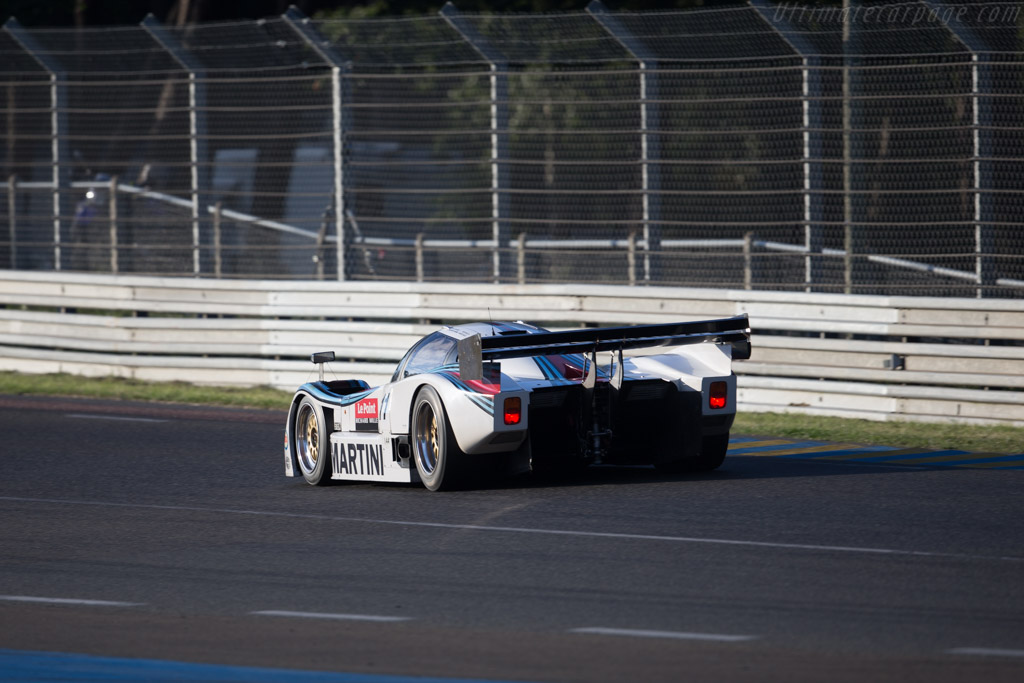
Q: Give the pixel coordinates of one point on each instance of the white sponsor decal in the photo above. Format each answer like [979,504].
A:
[358,458]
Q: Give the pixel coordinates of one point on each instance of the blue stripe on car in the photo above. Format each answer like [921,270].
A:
[328,397]
[550,371]
[482,401]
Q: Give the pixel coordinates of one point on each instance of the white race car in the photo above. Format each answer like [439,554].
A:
[501,397]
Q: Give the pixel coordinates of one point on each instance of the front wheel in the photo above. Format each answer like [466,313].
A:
[311,443]
[439,461]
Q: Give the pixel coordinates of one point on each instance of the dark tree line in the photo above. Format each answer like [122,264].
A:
[112,12]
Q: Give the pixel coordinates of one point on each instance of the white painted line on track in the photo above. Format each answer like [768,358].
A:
[678,635]
[85,416]
[324,615]
[985,652]
[526,530]
[68,601]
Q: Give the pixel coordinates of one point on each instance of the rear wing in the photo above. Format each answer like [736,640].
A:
[474,349]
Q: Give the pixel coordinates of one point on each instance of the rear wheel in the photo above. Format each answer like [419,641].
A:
[712,455]
[439,460]
[311,440]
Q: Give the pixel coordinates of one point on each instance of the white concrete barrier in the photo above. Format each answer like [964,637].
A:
[911,358]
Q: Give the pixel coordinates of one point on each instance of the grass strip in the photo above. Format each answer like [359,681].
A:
[938,436]
[931,435]
[118,388]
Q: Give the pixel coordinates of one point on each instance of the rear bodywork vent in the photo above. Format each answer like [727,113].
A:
[645,391]
[548,398]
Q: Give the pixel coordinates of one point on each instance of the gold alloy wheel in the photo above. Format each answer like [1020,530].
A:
[313,439]
[428,447]
[307,436]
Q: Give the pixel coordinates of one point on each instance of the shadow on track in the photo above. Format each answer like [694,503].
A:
[739,467]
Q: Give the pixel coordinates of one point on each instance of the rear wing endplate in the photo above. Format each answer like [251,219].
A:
[474,349]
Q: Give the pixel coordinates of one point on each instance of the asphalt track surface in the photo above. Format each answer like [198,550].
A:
[166,541]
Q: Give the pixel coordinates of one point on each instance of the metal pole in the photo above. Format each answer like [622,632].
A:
[112,215]
[12,215]
[339,170]
[981,116]
[813,238]
[55,155]
[196,126]
[499,130]
[58,122]
[499,149]
[300,23]
[419,257]
[320,255]
[193,149]
[812,147]
[631,258]
[521,258]
[748,261]
[848,242]
[650,146]
[981,122]
[217,255]
[649,172]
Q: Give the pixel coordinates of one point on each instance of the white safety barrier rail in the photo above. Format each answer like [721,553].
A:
[880,358]
[632,244]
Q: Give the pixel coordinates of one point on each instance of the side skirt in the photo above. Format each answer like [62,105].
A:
[359,456]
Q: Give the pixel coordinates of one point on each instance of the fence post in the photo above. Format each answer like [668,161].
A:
[847,171]
[12,216]
[813,181]
[60,174]
[419,257]
[196,126]
[650,142]
[499,130]
[217,218]
[984,240]
[521,258]
[748,260]
[320,256]
[981,122]
[112,215]
[340,68]
[631,258]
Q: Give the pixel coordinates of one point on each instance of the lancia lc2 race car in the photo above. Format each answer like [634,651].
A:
[506,397]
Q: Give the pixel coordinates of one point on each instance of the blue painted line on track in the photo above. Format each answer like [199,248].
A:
[866,450]
[19,666]
[778,447]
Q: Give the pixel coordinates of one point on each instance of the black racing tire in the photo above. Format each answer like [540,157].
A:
[440,462]
[311,439]
[712,455]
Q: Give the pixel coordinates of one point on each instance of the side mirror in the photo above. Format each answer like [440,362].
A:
[320,358]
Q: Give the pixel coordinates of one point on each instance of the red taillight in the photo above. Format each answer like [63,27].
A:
[513,410]
[718,395]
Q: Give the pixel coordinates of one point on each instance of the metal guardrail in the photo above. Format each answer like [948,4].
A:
[921,358]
